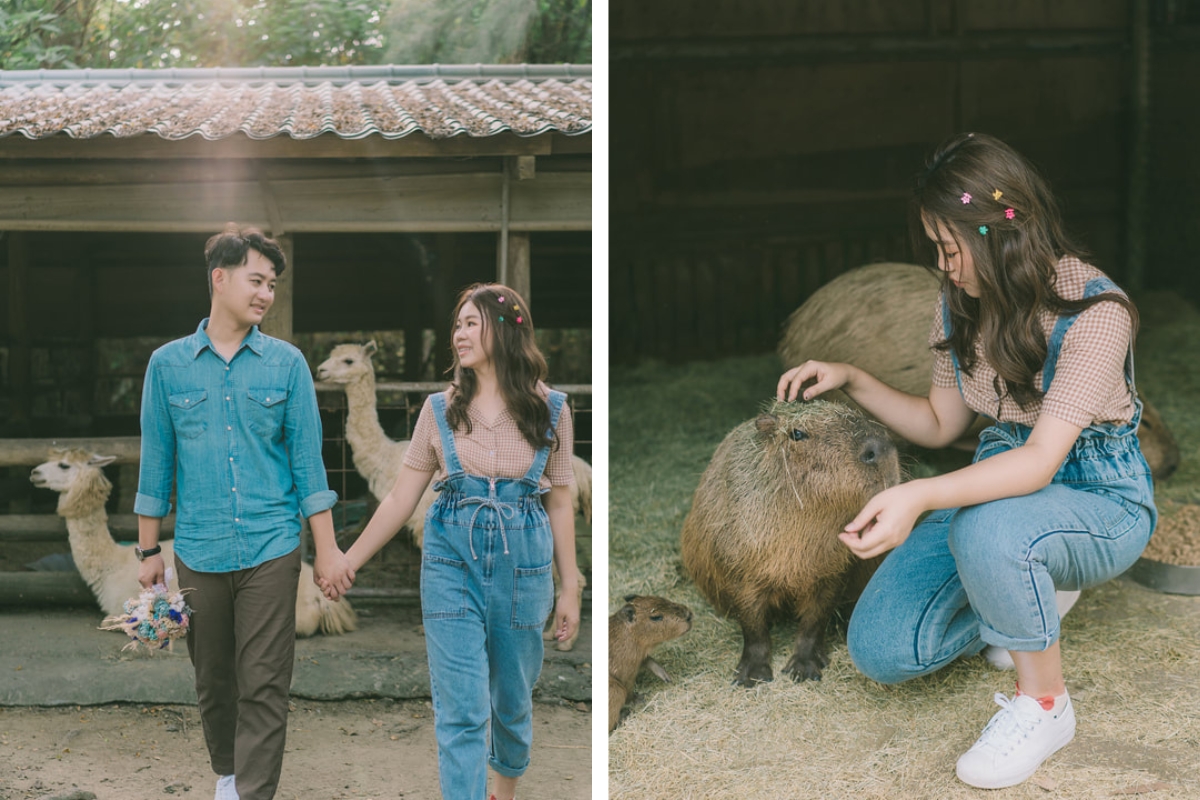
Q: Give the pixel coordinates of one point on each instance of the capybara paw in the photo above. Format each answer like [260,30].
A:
[806,668]
[751,674]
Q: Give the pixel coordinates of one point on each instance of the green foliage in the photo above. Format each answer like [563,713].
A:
[189,33]
[489,31]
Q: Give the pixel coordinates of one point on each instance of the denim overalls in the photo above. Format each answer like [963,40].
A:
[987,574]
[486,591]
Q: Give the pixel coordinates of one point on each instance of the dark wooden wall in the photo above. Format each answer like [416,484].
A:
[759,149]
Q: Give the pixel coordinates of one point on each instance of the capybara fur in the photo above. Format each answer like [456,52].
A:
[643,623]
[878,318]
[761,540]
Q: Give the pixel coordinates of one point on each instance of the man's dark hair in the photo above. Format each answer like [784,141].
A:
[230,247]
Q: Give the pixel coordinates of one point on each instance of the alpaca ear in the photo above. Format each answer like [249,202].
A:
[370,347]
[101,461]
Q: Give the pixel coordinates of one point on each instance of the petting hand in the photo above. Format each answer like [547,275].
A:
[885,521]
[152,571]
[332,572]
[566,614]
[827,377]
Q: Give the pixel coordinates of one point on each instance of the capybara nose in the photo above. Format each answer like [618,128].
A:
[875,449]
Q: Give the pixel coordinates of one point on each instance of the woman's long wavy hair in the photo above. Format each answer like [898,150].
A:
[518,362]
[1014,261]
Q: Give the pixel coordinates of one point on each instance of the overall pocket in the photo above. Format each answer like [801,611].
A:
[187,414]
[266,410]
[443,587]
[533,596]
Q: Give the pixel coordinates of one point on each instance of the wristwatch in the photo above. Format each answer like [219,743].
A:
[142,555]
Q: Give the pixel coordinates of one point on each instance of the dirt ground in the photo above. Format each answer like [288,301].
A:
[353,749]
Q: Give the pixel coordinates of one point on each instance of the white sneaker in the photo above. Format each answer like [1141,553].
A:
[1017,740]
[226,788]
[1000,658]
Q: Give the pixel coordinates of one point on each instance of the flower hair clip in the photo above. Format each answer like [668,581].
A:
[966,198]
[983,230]
[997,194]
[1009,213]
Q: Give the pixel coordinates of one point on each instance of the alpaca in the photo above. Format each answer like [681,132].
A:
[378,458]
[111,569]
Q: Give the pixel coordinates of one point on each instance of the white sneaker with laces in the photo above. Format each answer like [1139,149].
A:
[1015,742]
[226,788]
[1000,658]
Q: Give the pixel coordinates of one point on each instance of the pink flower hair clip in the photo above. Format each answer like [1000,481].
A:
[966,198]
[1009,213]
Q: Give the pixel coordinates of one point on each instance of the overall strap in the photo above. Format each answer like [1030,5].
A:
[556,402]
[449,451]
[948,329]
[1094,287]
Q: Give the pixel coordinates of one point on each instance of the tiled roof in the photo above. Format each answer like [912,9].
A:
[349,102]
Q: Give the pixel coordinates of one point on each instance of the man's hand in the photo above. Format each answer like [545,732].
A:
[332,572]
[152,571]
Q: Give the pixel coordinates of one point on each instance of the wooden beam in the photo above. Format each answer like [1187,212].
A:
[38,589]
[19,375]
[417,145]
[31,452]
[279,319]
[526,168]
[52,528]
[429,203]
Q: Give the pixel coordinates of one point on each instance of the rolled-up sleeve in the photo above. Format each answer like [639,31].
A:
[302,433]
[156,472]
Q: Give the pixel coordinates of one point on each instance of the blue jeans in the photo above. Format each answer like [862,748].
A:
[987,574]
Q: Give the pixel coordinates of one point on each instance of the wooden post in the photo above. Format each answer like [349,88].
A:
[278,322]
[18,330]
[518,265]
[513,250]
[444,283]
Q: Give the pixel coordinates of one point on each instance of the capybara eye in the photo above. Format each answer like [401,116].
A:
[798,435]
[656,617]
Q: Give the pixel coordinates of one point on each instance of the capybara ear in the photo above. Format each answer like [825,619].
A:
[370,348]
[766,423]
[629,598]
[628,612]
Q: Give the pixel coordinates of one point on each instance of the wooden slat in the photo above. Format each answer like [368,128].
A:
[458,202]
[52,528]
[31,452]
[38,589]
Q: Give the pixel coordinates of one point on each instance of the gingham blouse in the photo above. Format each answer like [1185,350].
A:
[1089,378]
[495,450]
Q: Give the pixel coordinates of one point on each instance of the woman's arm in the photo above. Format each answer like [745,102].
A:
[562,526]
[391,515]
[933,421]
[888,518]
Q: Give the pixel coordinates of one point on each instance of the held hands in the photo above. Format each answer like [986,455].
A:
[152,571]
[825,377]
[332,572]
[885,521]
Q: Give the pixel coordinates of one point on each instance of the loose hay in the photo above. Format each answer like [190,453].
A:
[1130,653]
[1176,540]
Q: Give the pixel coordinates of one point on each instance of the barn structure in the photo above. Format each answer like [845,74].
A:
[761,149]
[389,187]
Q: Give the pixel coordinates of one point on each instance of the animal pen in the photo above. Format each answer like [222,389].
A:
[389,188]
[761,150]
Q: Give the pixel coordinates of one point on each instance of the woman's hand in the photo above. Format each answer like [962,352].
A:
[827,376]
[885,521]
[332,572]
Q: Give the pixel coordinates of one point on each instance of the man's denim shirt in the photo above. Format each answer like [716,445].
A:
[243,438]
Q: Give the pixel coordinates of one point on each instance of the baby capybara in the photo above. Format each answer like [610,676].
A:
[643,623]
[761,538]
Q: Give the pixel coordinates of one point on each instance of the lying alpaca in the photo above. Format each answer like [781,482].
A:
[378,458]
[111,570]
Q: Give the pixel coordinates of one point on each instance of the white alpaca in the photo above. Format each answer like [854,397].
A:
[378,458]
[111,569]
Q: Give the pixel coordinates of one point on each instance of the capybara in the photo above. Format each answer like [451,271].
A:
[878,317]
[643,623]
[761,538]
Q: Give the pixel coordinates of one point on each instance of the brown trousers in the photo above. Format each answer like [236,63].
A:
[242,643]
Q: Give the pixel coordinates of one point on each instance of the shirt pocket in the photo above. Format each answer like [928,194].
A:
[266,411]
[187,413]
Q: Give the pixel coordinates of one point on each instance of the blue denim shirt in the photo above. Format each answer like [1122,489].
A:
[243,440]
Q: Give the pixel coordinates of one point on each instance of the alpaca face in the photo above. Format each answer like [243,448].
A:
[62,473]
[347,363]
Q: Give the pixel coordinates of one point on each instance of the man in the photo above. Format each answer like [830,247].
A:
[230,415]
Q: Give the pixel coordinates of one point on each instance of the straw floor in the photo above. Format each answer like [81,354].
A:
[1130,654]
